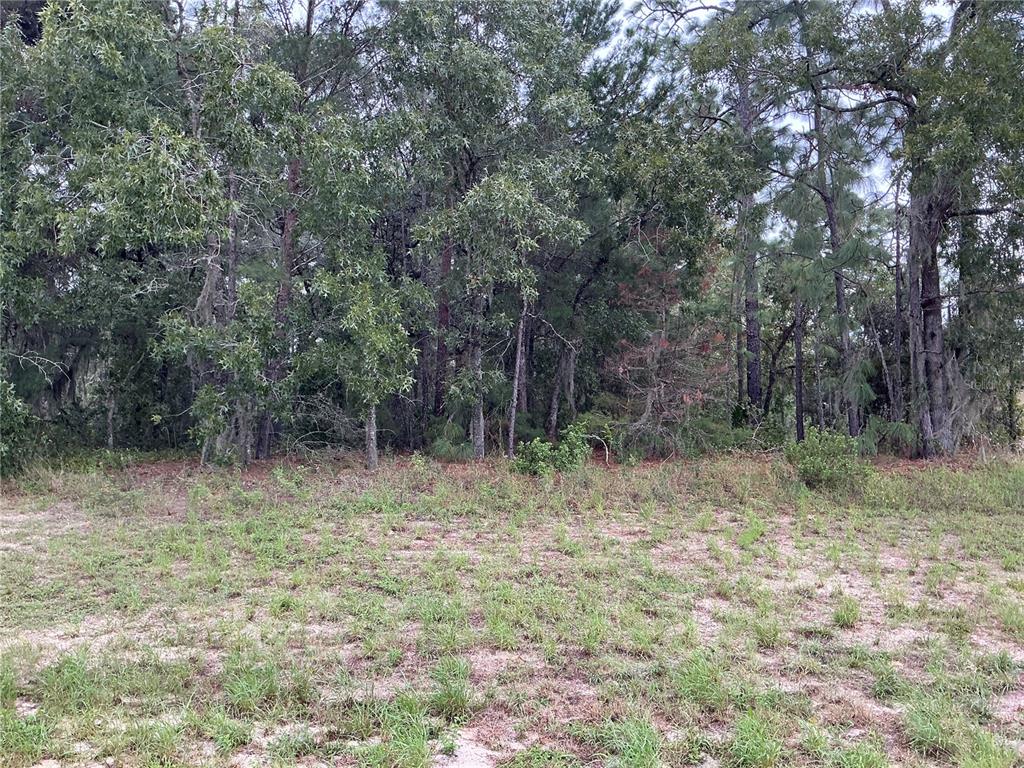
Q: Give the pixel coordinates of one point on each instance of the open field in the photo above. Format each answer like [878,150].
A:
[698,613]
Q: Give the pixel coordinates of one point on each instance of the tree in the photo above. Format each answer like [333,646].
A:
[942,76]
[251,227]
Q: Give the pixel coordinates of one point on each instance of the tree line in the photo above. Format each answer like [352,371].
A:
[452,225]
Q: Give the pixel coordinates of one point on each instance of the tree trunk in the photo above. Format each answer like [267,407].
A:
[476,426]
[443,321]
[570,382]
[1012,410]
[826,192]
[262,449]
[231,250]
[556,396]
[516,378]
[522,402]
[846,401]
[890,384]
[206,303]
[918,384]
[741,373]
[819,404]
[424,390]
[745,238]
[773,367]
[286,265]
[934,352]
[371,438]
[798,367]
[751,307]
[928,213]
[111,406]
[897,407]
[287,251]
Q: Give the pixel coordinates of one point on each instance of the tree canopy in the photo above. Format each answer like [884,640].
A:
[243,227]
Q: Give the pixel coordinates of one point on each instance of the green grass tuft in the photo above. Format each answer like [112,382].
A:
[755,743]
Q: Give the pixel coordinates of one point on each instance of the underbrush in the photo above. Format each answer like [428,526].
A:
[541,457]
[827,460]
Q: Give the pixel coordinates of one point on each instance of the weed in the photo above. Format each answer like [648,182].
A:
[930,727]
[294,744]
[294,601]
[986,751]
[8,686]
[888,683]
[631,743]
[451,698]
[252,686]
[226,733]
[1011,614]
[69,685]
[700,679]
[405,736]
[593,631]
[847,612]
[755,742]
[767,633]
[753,532]
[565,544]
[867,754]
[153,743]
[22,741]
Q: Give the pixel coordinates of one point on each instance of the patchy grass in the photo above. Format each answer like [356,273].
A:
[710,612]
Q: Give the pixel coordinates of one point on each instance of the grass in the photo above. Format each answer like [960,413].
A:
[23,741]
[451,698]
[756,742]
[669,614]
[847,612]
[631,743]
[226,733]
[701,681]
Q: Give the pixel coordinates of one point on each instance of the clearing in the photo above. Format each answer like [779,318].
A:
[711,612]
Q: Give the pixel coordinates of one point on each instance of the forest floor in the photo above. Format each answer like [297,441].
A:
[710,612]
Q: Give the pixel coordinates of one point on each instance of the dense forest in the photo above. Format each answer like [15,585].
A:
[244,227]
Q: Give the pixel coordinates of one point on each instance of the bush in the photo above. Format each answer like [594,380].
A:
[447,441]
[540,457]
[15,430]
[826,459]
[890,436]
[535,458]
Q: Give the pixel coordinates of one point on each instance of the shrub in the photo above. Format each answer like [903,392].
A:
[447,442]
[540,457]
[826,459]
[15,430]
[891,436]
[573,449]
[535,458]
